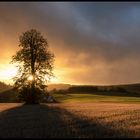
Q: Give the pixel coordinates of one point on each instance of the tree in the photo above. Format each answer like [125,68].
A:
[35,65]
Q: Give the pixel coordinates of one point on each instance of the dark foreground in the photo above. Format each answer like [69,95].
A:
[68,120]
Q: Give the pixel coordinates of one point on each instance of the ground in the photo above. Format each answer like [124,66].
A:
[70,119]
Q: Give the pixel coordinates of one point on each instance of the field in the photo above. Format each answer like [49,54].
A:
[94,97]
[70,120]
[108,114]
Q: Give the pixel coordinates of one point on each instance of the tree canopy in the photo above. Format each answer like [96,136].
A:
[35,61]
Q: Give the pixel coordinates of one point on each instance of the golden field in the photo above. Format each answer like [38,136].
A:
[70,120]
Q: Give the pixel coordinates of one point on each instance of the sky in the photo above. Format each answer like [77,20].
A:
[94,43]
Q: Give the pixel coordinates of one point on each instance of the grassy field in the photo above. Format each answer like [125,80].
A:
[85,97]
[70,120]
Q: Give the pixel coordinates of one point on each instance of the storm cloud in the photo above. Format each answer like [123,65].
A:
[93,42]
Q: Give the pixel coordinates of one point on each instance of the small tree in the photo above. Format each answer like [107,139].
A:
[35,65]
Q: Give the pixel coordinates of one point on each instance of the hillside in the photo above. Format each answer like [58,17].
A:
[4,87]
[132,87]
[8,96]
[58,86]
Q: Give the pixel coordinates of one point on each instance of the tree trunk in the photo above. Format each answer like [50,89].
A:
[33,92]
[33,74]
[33,83]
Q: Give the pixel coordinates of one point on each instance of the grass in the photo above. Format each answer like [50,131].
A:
[70,120]
[76,97]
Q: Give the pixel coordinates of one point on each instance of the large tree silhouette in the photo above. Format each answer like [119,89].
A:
[35,65]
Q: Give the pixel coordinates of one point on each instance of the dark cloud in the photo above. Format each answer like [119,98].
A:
[94,42]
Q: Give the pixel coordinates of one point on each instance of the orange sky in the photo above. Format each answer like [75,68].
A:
[92,44]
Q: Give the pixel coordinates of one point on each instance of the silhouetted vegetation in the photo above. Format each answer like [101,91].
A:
[35,61]
[26,95]
[83,89]
[99,90]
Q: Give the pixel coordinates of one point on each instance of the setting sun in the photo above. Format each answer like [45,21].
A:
[30,78]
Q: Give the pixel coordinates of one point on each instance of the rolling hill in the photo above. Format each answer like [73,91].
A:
[58,86]
[4,87]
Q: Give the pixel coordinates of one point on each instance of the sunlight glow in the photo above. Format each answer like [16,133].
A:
[7,73]
[30,78]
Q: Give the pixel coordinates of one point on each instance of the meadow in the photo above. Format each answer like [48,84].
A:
[94,97]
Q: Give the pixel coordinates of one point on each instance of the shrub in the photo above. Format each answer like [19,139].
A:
[25,95]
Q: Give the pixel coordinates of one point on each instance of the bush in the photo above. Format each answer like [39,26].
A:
[25,95]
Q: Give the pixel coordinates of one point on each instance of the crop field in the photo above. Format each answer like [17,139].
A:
[70,120]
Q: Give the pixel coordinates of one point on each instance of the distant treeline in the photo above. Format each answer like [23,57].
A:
[102,90]
[89,89]
[94,89]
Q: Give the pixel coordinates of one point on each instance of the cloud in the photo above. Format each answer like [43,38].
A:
[93,42]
